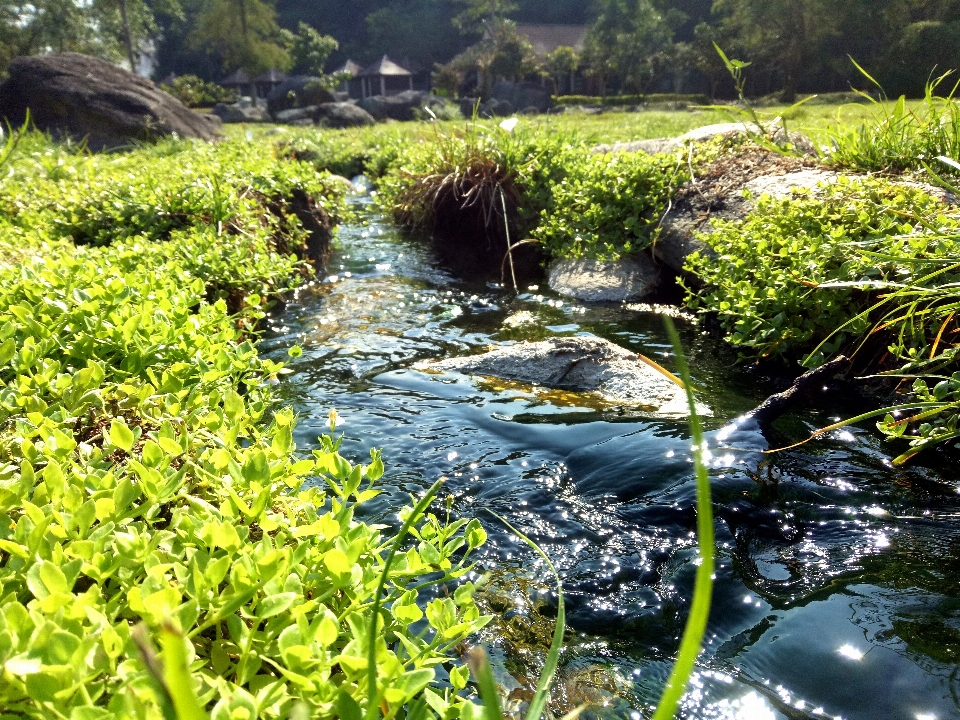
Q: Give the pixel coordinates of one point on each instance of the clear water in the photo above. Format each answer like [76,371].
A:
[837,583]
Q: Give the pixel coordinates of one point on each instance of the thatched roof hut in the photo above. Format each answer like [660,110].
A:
[386,76]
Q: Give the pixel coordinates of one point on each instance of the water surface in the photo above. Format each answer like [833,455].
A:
[837,580]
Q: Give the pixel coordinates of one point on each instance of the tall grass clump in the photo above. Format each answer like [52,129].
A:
[903,137]
[474,185]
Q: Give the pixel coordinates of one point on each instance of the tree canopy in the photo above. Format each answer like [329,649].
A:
[632,46]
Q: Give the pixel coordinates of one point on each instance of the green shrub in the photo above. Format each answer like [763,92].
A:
[195,92]
[610,205]
[147,475]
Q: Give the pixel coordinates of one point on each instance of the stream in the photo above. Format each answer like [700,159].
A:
[837,574]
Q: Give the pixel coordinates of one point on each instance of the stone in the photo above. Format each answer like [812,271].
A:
[495,108]
[677,238]
[523,95]
[241,113]
[402,106]
[342,115]
[298,113]
[626,280]
[618,376]
[776,134]
[80,97]
[296,92]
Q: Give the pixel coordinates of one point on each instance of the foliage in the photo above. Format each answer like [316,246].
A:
[610,205]
[148,476]
[766,283]
[397,29]
[626,42]
[243,33]
[476,13]
[502,53]
[194,92]
[867,267]
[309,50]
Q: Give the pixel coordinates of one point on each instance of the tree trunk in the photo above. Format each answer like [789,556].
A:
[127,35]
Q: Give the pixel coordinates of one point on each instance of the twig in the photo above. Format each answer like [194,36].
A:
[777,404]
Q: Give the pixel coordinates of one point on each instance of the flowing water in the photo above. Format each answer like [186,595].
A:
[837,579]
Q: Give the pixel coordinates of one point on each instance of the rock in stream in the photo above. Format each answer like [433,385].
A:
[588,364]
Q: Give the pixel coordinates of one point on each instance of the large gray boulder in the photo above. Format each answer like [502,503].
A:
[297,92]
[241,113]
[523,95]
[80,97]
[685,226]
[626,280]
[402,106]
[590,364]
[293,114]
[342,115]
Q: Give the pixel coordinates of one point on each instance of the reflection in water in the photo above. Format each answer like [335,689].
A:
[836,590]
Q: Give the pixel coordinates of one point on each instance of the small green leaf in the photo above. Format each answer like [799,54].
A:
[121,435]
[275,604]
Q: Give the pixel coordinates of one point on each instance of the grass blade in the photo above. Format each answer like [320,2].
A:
[553,656]
[418,510]
[692,640]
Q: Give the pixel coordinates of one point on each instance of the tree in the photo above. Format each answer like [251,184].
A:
[628,40]
[477,13]
[309,50]
[28,28]
[504,53]
[600,45]
[397,30]
[786,35]
[244,33]
[560,64]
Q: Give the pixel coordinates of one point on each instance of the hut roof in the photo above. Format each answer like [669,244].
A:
[383,66]
[350,67]
[270,76]
[547,38]
[238,77]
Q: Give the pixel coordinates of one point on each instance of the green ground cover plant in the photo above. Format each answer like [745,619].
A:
[868,267]
[150,488]
[610,205]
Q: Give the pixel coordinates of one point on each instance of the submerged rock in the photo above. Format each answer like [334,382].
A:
[627,280]
[589,364]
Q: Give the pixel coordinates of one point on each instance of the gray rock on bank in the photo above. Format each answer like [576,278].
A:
[703,134]
[81,97]
[578,363]
[626,280]
[241,113]
[680,226]
[342,115]
[677,238]
[402,106]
